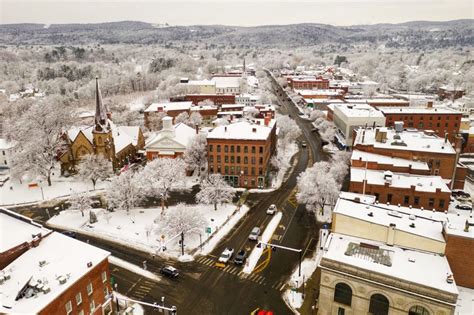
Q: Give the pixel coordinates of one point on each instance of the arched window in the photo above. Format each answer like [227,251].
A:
[378,305]
[343,294]
[418,310]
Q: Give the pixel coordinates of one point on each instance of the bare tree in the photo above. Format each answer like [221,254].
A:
[184,219]
[195,155]
[124,191]
[215,191]
[94,167]
[80,202]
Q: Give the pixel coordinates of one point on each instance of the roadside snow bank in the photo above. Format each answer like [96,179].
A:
[133,268]
[266,237]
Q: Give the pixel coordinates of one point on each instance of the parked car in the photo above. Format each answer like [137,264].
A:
[463,199]
[272,209]
[169,271]
[70,234]
[240,257]
[254,234]
[460,193]
[226,255]
[464,206]
[303,144]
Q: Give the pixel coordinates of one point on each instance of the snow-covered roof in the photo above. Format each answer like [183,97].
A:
[4,144]
[232,106]
[408,141]
[323,101]
[203,107]
[369,199]
[169,106]
[73,132]
[182,135]
[456,223]
[418,110]
[56,255]
[242,130]
[400,180]
[201,82]
[358,110]
[249,96]
[402,217]
[227,81]
[410,266]
[316,92]
[465,302]
[382,159]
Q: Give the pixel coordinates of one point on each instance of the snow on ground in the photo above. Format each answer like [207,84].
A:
[140,229]
[133,268]
[326,216]
[126,303]
[266,237]
[465,303]
[330,148]
[291,150]
[14,192]
[293,299]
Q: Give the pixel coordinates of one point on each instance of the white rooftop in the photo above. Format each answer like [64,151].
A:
[413,266]
[62,256]
[400,180]
[369,199]
[427,224]
[232,105]
[201,82]
[382,159]
[418,110]
[319,92]
[242,130]
[4,144]
[169,106]
[358,110]
[413,140]
[223,82]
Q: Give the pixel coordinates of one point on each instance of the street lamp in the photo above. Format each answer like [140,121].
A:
[241,178]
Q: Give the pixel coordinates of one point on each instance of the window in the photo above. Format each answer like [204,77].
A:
[238,149]
[78,298]
[246,170]
[260,149]
[218,148]
[218,159]
[254,149]
[68,307]
[418,310]
[431,202]
[81,312]
[389,198]
[260,160]
[253,159]
[343,294]
[104,276]
[416,201]
[246,149]
[232,148]
[226,159]
[379,305]
[232,159]
[341,311]
[441,203]
[210,148]
[260,171]
[211,159]
[406,200]
[226,148]
[89,289]
[92,305]
[238,159]
[253,170]
[226,170]
[246,160]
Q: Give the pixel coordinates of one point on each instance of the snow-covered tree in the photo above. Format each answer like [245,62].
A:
[94,167]
[160,175]
[124,191]
[37,135]
[215,190]
[288,131]
[206,102]
[316,187]
[80,202]
[184,219]
[155,121]
[194,119]
[182,118]
[251,112]
[195,155]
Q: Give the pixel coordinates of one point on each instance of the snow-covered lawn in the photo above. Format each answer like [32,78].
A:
[14,192]
[145,228]
[266,236]
[133,268]
[291,150]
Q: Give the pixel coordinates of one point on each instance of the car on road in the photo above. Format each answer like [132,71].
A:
[260,311]
[272,209]
[303,144]
[169,271]
[240,257]
[464,206]
[226,255]
[254,234]
[70,234]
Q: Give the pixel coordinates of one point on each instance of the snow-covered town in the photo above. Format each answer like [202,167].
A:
[281,169]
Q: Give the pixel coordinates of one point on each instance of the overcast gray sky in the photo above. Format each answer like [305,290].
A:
[232,12]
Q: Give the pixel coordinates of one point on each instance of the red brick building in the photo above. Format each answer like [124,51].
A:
[217,99]
[306,82]
[429,192]
[172,109]
[57,275]
[437,152]
[241,152]
[440,120]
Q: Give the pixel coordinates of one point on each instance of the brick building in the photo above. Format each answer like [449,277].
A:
[321,94]
[441,120]
[241,152]
[171,109]
[308,82]
[217,99]
[429,192]
[450,92]
[437,152]
[56,274]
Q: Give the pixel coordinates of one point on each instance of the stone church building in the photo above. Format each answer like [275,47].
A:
[119,144]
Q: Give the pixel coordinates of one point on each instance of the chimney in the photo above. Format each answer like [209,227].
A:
[363,136]
[225,128]
[429,104]
[266,120]
[391,234]
[445,137]
[254,129]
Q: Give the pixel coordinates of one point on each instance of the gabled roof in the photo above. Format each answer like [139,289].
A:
[182,135]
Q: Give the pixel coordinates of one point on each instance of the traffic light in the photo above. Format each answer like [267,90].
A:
[274,248]
[179,242]
[259,245]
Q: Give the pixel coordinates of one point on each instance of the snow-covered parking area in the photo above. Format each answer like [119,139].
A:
[148,230]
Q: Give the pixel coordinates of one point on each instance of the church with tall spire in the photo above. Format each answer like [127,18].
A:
[119,144]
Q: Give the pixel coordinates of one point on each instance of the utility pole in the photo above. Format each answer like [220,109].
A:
[182,243]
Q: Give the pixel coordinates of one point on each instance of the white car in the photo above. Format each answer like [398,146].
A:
[272,209]
[226,255]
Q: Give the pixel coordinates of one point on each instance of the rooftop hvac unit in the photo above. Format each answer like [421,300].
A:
[62,279]
[46,289]
[399,126]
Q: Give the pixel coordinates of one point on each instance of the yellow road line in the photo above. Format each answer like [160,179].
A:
[265,263]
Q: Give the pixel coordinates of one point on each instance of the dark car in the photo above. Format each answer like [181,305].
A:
[169,271]
[240,258]
[70,234]
[460,193]
[464,207]
[303,144]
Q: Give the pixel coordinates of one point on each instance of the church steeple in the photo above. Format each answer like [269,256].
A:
[101,122]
